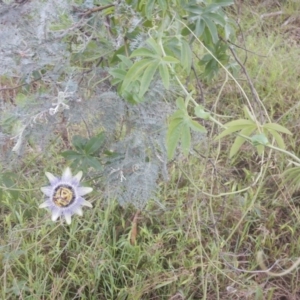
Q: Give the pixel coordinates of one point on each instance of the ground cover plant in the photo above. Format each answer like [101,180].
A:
[182,117]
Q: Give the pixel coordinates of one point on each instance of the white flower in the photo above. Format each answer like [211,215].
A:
[64,195]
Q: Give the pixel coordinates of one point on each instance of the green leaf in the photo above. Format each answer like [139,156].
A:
[118,73]
[173,136]
[147,77]
[199,112]
[229,31]
[224,2]
[239,122]
[194,125]
[260,149]
[185,140]
[186,55]
[93,162]
[94,144]
[76,163]
[248,114]
[239,141]
[135,72]
[212,29]
[79,142]
[200,26]
[277,127]
[170,59]
[279,140]
[178,114]
[217,18]
[149,9]
[128,62]
[164,74]
[144,52]
[233,129]
[120,51]
[163,4]
[180,104]
[152,43]
[70,154]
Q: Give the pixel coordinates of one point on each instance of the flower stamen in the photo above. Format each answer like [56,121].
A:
[63,196]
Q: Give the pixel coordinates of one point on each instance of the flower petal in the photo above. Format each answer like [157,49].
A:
[47,190]
[51,178]
[55,214]
[77,210]
[77,177]
[68,217]
[82,190]
[45,204]
[67,175]
[86,203]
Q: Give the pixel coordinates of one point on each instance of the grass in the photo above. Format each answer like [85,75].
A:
[198,244]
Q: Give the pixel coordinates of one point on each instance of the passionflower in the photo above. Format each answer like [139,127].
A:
[64,195]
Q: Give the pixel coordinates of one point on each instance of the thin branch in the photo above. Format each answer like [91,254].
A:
[96,9]
[246,50]
[272,14]
[252,88]
[199,84]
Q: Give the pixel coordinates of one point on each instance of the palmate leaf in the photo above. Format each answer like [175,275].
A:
[71,154]
[219,19]
[170,59]
[234,126]
[154,45]
[144,52]
[181,105]
[135,72]
[145,69]
[279,140]
[239,140]
[180,129]
[224,2]
[200,26]
[277,127]
[118,74]
[173,136]
[186,55]
[149,9]
[127,62]
[212,29]
[165,76]
[79,142]
[273,129]
[94,144]
[147,77]
[194,125]
[248,114]
[185,139]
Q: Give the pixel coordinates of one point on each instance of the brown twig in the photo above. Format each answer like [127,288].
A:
[252,88]
[198,84]
[246,50]
[96,9]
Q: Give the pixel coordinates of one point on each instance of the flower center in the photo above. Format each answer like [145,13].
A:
[63,196]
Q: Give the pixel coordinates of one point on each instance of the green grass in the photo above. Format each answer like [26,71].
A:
[196,245]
